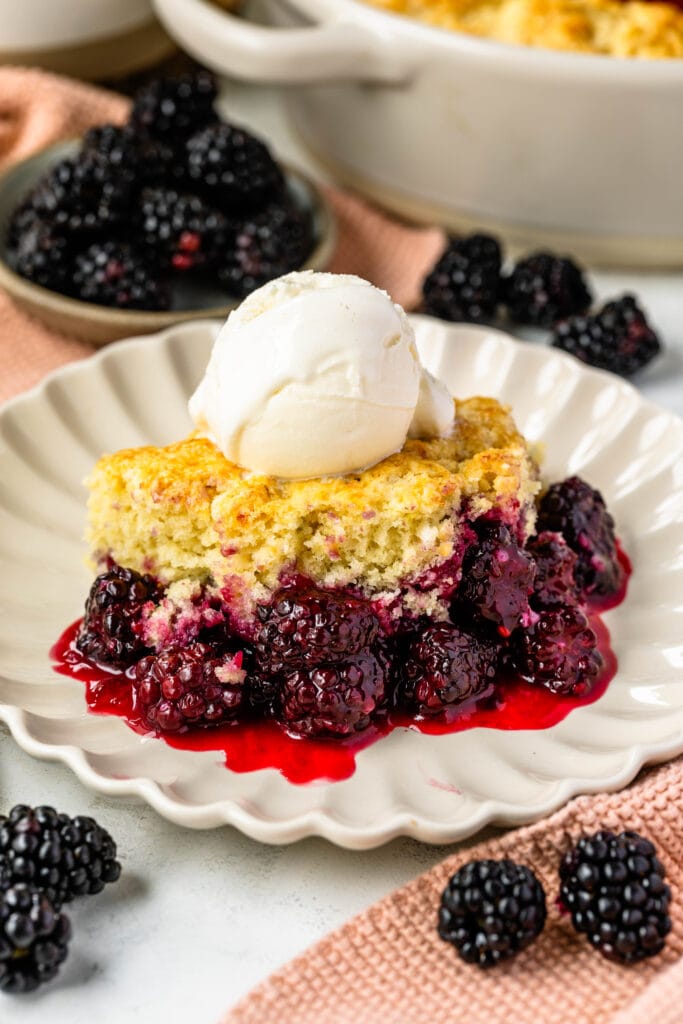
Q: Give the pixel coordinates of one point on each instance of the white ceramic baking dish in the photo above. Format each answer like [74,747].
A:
[580,152]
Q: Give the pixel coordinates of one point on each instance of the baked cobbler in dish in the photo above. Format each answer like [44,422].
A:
[619,28]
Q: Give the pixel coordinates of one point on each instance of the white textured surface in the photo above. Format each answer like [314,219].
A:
[199,917]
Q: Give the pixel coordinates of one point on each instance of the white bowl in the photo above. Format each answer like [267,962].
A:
[580,152]
[36,24]
[86,38]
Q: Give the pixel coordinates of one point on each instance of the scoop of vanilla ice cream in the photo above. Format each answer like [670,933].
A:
[313,375]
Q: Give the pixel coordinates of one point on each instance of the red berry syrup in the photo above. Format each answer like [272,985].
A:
[250,746]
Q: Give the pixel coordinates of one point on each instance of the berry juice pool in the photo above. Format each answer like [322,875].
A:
[510,703]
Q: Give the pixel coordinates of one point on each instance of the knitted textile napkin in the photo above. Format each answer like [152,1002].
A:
[387,966]
[37,109]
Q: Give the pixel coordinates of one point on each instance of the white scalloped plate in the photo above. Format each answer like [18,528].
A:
[435,788]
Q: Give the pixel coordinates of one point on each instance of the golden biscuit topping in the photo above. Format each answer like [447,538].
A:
[618,28]
[184,512]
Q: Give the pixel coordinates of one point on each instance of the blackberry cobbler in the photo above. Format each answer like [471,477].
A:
[411,587]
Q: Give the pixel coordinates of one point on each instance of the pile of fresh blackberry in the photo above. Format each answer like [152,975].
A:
[174,192]
[612,887]
[468,283]
[47,859]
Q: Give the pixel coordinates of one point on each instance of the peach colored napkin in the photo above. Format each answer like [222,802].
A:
[37,109]
[387,966]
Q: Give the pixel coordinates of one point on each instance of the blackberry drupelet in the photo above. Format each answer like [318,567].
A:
[180,231]
[577,511]
[465,282]
[544,288]
[64,857]
[193,685]
[114,274]
[444,666]
[497,579]
[111,628]
[333,699]
[554,583]
[558,651]
[234,168]
[268,244]
[613,886]
[490,910]
[302,628]
[171,109]
[34,939]
[618,338]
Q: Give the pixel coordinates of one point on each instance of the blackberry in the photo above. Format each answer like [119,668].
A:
[180,231]
[34,939]
[554,583]
[497,579]
[193,685]
[333,699]
[234,168]
[444,666]
[111,629]
[465,282]
[82,194]
[42,256]
[114,274]
[145,161]
[544,288]
[64,857]
[490,910]
[302,628]
[613,886]
[268,244]
[558,651]
[171,109]
[577,511]
[618,338]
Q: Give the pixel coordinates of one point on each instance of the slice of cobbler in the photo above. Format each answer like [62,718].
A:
[325,602]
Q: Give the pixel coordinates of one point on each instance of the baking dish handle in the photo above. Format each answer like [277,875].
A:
[318,53]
